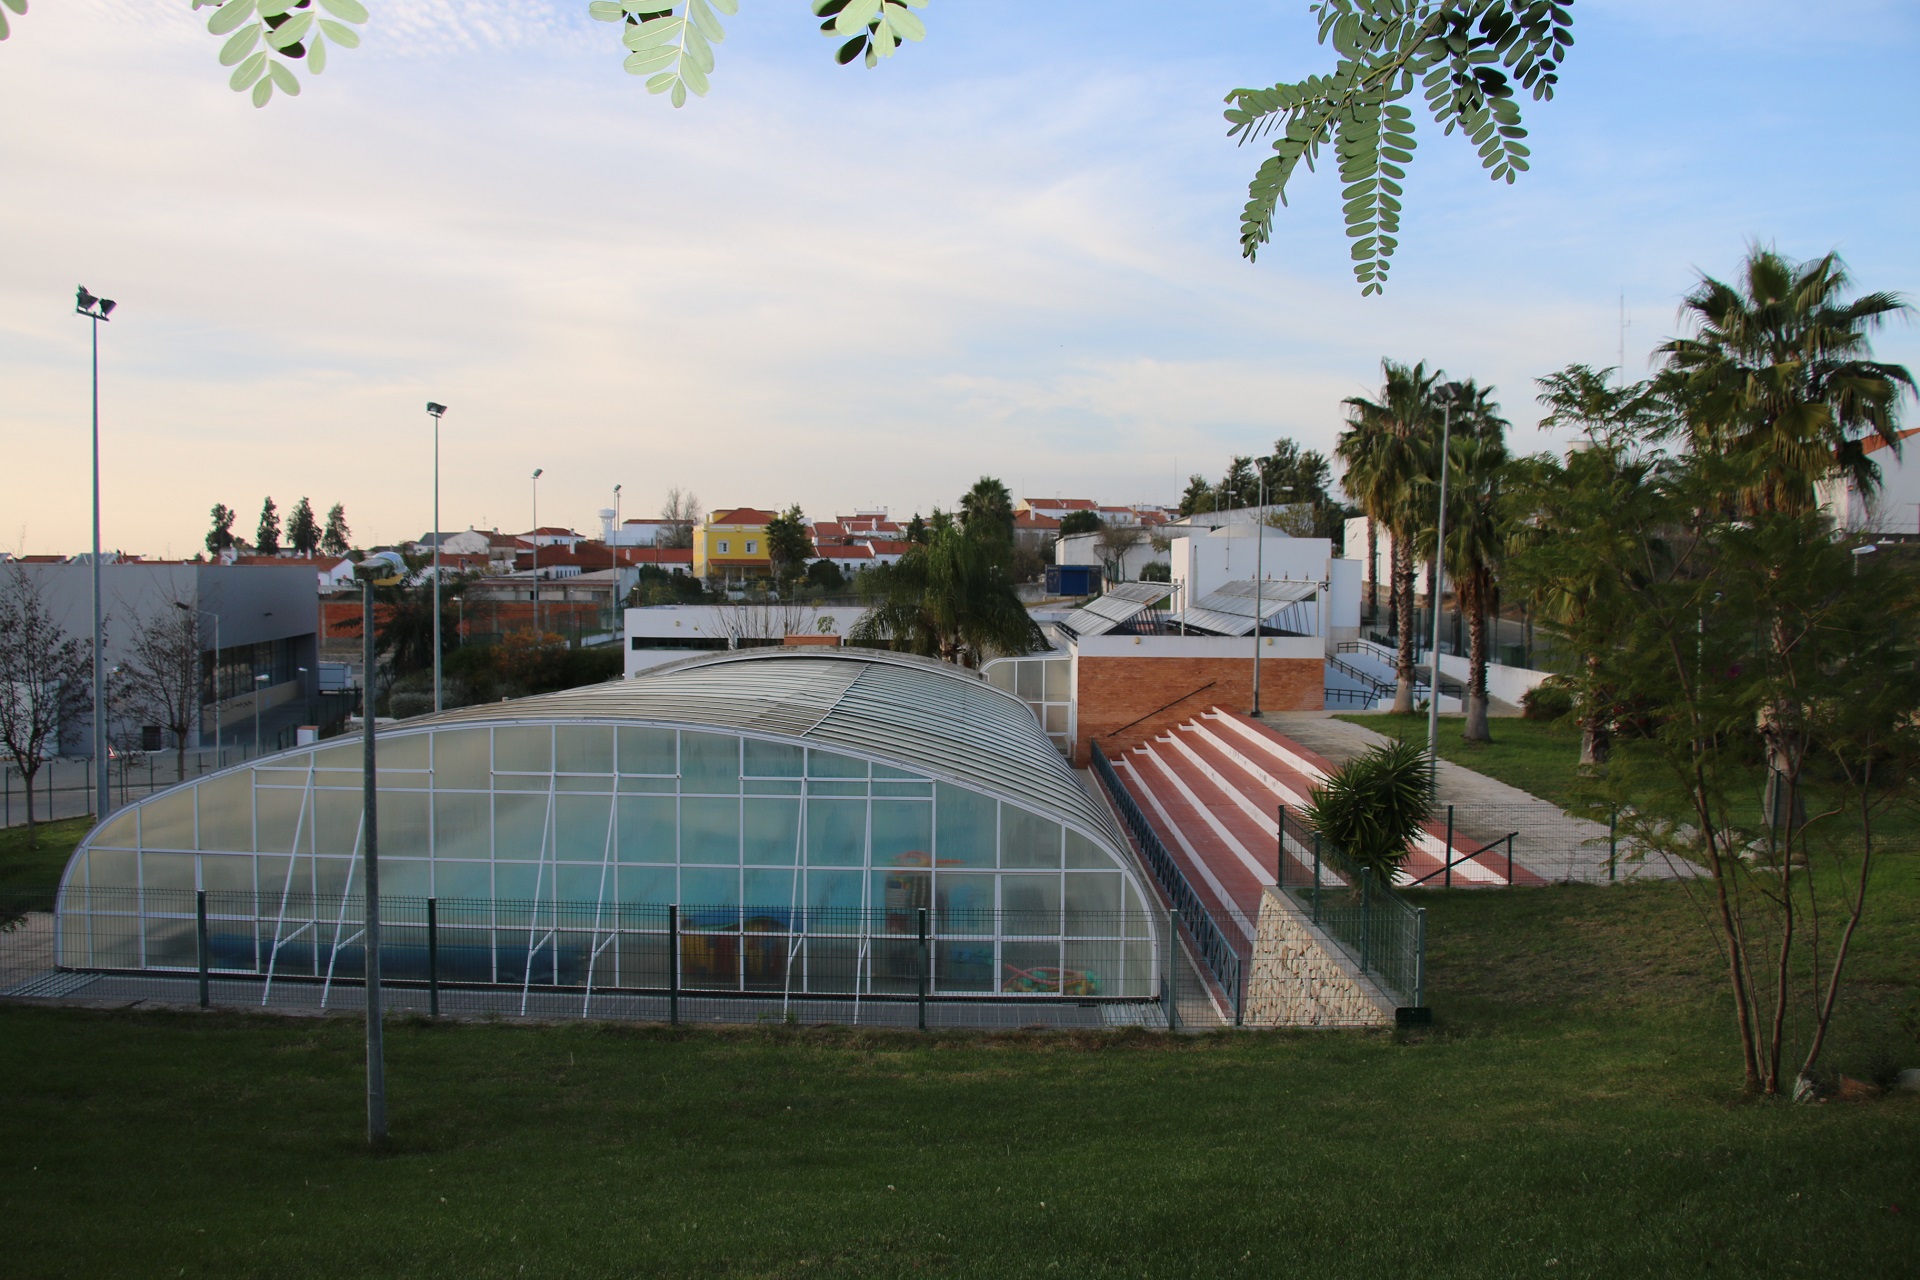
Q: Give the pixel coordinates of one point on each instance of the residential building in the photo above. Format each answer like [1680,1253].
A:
[1031,529]
[469,541]
[732,545]
[1892,509]
[335,572]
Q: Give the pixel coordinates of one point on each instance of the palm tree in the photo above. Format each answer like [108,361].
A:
[1780,373]
[1475,531]
[952,598]
[988,508]
[1388,447]
[1566,532]
[1780,379]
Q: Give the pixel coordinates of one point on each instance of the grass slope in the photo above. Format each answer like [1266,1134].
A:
[1572,1111]
[31,861]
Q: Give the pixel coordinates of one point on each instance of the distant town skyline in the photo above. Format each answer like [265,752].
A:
[1009,251]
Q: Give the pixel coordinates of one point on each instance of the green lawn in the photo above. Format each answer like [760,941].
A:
[1573,1112]
[31,861]
[1537,756]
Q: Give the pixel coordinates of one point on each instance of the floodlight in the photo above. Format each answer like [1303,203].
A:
[83,301]
[435,409]
[537,472]
[106,307]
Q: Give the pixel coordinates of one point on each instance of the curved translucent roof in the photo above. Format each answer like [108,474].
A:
[929,715]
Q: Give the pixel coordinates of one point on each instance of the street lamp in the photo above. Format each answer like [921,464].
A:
[97,310]
[436,410]
[218,702]
[616,511]
[535,538]
[1861,553]
[1448,393]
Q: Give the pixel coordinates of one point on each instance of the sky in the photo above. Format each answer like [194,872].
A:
[1011,251]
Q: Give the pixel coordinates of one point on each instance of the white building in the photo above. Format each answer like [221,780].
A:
[1893,508]
[1084,548]
[1204,563]
[658,634]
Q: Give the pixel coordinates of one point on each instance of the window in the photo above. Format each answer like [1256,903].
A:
[723,546]
[752,546]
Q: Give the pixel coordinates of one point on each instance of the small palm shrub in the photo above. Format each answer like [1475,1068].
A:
[1373,805]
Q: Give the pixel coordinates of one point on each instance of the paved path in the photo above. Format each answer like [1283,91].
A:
[1547,841]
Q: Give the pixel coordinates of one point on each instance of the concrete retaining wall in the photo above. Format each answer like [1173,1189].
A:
[1300,979]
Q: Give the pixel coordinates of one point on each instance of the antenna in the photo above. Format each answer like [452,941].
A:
[1621,363]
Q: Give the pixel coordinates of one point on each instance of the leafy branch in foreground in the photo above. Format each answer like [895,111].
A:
[18,6]
[281,33]
[1466,57]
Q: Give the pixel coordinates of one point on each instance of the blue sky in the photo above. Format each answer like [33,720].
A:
[1010,251]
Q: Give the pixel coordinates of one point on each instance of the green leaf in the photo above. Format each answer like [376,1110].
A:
[345,37]
[698,52]
[349,10]
[651,35]
[607,11]
[704,21]
[247,72]
[262,90]
[728,7]
[662,82]
[652,60]
[906,22]
[679,94]
[316,54]
[274,8]
[695,77]
[240,44]
[229,15]
[856,16]
[283,78]
[291,32]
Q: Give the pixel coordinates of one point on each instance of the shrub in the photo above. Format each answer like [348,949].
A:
[1373,805]
[1551,699]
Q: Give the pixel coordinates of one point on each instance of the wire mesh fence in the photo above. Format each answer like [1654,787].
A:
[909,966]
[1380,931]
[63,788]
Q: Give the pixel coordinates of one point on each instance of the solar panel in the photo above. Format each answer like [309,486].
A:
[1228,610]
[1121,604]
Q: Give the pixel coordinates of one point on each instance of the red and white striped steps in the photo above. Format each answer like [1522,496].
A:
[1212,786]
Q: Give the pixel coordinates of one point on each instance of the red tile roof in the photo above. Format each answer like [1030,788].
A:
[742,515]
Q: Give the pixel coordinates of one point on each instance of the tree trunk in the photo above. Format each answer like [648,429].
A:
[28,777]
[1596,732]
[1373,571]
[1471,595]
[1403,593]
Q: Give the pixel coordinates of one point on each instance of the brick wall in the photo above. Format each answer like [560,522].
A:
[1112,692]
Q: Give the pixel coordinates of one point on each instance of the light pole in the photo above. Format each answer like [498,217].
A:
[616,511]
[218,703]
[535,538]
[369,572]
[97,310]
[1259,567]
[1447,394]
[436,410]
[1861,553]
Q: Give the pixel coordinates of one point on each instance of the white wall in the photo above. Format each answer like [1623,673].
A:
[1083,548]
[663,624]
[1357,552]
[1893,508]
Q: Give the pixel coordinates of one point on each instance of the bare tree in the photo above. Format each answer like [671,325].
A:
[681,511]
[160,680]
[745,624]
[45,678]
[1114,543]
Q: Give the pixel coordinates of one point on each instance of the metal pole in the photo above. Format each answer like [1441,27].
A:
[1316,877]
[200,939]
[1446,854]
[1613,845]
[433,957]
[1420,957]
[376,1048]
[535,536]
[1259,546]
[1510,860]
[1280,852]
[673,965]
[1366,917]
[103,790]
[1172,992]
[922,912]
[1439,584]
[436,559]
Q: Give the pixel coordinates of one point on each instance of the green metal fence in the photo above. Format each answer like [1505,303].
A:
[1380,931]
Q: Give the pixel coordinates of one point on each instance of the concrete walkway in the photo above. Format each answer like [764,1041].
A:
[1552,844]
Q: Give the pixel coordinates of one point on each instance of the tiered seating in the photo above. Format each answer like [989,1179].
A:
[1213,788]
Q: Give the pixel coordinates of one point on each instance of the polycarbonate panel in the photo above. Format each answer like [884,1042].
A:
[648,751]
[523,749]
[1027,839]
[774,759]
[771,831]
[582,827]
[583,748]
[401,751]
[462,824]
[462,759]
[226,812]
[403,817]
[649,827]
[968,827]
[836,833]
[709,764]
[122,831]
[709,830]
[902,833]
[278,815]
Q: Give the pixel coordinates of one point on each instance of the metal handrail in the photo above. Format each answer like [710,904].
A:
[1453,862]
[1157,710]
[1219,955]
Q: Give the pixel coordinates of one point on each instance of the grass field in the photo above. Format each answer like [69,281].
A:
[1573,1112]
[31,861]
[1537,756]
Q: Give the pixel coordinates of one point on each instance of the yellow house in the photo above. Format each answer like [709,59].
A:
[732,545]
